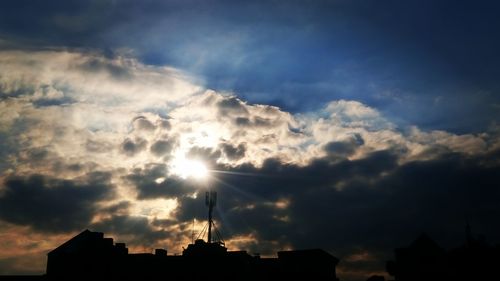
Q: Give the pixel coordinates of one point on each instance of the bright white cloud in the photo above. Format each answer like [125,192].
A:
[118,114]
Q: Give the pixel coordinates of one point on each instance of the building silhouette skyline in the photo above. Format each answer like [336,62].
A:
[90,255]
[425,260]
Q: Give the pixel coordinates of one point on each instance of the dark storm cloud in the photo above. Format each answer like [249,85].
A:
[191,208]
[372,204]
[252,187]
[436,197]
[53,205]
[136,226]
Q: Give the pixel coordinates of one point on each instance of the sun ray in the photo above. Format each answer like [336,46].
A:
[247,194]
[239,173]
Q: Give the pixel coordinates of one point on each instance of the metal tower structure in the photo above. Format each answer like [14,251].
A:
[210,202]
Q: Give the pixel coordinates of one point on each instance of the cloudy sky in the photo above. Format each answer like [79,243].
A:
[351,126]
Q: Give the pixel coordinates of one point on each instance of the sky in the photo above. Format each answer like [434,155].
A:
[351,126]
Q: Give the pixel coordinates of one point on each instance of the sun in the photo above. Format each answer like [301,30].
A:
[187,168]
[197,169]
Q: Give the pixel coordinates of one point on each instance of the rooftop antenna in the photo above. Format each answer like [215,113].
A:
[210,202]
[192,233]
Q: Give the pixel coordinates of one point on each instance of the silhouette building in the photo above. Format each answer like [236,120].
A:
[422,260]
[89,255]
[425,260]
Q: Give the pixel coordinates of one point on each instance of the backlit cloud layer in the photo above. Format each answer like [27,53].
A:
[93,141]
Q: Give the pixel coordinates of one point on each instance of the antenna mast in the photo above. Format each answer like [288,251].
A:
[192,233]
[210,202]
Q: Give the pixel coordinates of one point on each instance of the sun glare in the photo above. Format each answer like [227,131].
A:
[186,168]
